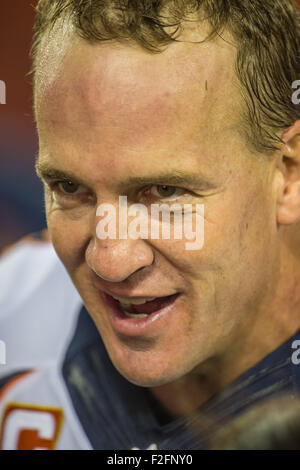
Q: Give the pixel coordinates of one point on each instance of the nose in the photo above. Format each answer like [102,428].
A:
[116,260]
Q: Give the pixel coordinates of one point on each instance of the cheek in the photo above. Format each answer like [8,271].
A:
[247,248]
[69,237]
[239,244]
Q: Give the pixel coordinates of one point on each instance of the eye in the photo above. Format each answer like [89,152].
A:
[67,187]
[166,192]
[68,193]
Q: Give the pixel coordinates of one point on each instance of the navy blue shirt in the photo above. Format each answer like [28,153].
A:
[116,414]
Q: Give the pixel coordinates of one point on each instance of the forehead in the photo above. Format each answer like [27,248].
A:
[101,95]
[126,79]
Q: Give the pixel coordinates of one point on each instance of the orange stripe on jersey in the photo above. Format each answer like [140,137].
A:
[9,385]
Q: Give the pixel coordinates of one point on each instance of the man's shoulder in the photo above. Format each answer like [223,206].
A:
[35,412]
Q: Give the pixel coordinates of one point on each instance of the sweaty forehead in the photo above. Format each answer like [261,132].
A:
[114,85]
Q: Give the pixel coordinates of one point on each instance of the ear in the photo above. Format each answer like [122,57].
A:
[288,195]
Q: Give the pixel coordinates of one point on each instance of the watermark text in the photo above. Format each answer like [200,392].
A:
[2,353]
[296,94]
[2,92]
[163,221]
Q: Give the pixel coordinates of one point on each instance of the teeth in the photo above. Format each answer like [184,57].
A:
[127,302]
[133,315]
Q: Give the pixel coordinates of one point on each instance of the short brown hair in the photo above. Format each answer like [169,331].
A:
[266,34]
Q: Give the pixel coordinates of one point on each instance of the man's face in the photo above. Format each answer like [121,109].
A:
[109,113]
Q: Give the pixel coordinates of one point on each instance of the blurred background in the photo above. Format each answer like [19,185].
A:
[21,195]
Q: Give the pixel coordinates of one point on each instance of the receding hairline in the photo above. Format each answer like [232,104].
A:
[235,125]
[266,117]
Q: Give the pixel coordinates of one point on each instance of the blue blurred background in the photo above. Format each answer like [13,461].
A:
[21,195]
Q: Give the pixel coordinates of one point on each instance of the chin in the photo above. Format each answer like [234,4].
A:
[142,380]
[150,376]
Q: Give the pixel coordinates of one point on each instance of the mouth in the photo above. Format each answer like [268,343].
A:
[142,307]
[134,316]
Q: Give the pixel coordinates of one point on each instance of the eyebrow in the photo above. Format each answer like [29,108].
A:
[170,178]
[46,172]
